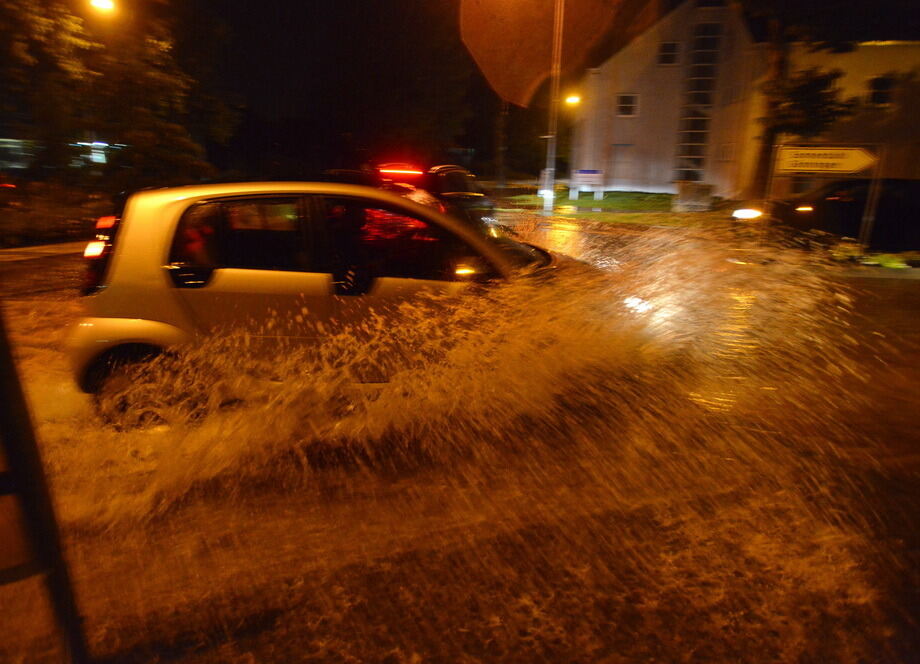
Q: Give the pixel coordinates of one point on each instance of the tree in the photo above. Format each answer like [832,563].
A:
[202,44]
[137,97]
[43,50]
[69,78]
[807,102]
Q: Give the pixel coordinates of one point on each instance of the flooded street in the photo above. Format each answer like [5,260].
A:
[692,446]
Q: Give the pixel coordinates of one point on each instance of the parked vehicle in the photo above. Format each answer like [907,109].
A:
[837,208]
[448,186]
[181,262]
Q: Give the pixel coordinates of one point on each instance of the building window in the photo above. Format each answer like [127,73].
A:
[693,134]
[667,53]
[880,89]
[627,106]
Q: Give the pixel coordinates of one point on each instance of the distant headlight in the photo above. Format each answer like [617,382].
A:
[805,208]
[746,213]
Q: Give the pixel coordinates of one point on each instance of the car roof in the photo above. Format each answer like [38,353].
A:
[448,168]
[203,192]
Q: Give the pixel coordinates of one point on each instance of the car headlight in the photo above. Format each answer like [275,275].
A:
[747,213]
[805,208]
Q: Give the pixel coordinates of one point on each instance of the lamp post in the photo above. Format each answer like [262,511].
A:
[549,173]
[572,101]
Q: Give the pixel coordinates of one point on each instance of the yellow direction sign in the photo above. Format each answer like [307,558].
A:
[844,161]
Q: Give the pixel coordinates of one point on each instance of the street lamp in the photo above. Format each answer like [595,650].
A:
[549,180]
[103,5]
[572,101]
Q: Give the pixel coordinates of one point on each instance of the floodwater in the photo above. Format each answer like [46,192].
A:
[648,456]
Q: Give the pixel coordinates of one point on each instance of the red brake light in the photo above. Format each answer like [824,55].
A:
[106,222]
[401,171]
[7,185]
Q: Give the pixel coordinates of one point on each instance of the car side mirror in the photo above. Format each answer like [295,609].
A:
[186,275]
[473,268]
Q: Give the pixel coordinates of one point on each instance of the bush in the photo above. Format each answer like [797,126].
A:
[47,212]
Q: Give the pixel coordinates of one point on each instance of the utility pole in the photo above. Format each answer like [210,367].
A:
[501,145]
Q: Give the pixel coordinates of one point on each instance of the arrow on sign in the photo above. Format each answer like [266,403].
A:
[823,160]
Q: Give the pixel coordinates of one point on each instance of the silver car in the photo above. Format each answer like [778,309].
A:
[182,262]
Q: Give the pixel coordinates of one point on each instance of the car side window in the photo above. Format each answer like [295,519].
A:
[255,234]
[196,239]
[368,240]
[264,234]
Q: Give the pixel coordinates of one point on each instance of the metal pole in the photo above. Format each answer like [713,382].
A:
[875,190]
[18,440]
[555,71]
[501,147]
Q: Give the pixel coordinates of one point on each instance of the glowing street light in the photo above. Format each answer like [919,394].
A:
[573,100]
[103,5]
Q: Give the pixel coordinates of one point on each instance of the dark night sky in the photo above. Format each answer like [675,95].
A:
[281,51]
[311,72]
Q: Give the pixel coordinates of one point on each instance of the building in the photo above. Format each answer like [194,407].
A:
[681,102]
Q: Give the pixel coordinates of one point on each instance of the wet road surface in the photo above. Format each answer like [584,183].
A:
[531,551]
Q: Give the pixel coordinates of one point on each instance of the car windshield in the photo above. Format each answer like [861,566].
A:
[521,255]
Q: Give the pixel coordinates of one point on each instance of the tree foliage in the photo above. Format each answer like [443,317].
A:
[807,102]
[43,52]
[69,78]
[40,36]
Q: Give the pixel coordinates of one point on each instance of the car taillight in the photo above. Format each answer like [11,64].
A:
[98,253]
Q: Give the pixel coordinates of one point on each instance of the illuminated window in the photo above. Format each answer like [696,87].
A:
[880,90]
[667,53]
[627,106]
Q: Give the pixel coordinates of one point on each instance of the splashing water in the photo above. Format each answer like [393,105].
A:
[635,456]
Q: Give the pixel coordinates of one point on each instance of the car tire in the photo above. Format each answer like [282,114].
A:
[128,398]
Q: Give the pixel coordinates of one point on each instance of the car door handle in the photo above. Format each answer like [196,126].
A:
[184,275]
